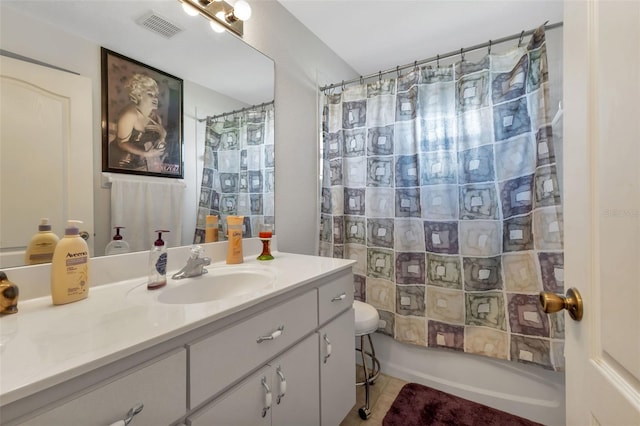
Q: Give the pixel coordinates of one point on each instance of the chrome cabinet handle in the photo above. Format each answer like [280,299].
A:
[267,397]
[328,343]
[339,298]
[272,336]
[283,385]
[130,415]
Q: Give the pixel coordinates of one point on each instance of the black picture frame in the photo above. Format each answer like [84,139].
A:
[142,118]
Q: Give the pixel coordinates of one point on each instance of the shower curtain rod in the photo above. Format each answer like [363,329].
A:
[443,56]
[262,105]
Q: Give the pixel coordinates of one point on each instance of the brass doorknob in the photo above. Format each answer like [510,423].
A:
[552,302]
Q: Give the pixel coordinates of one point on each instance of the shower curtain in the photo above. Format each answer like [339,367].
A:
[441,184]
[238,171]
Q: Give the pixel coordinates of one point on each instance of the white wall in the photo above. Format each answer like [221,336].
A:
[302,62]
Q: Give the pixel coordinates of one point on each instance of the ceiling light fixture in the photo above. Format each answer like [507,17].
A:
[190,10]
[220,12]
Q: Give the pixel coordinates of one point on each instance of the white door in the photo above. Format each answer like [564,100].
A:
[46,154]
[602,210]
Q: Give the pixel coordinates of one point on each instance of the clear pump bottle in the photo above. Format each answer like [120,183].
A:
[158,263]
[118,245]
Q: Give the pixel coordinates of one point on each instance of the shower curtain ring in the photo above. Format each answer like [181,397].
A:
[342,85]
[462,54]
[489,47]
[398,70]
[379,76]
[521,36]
[437,61]
[415,65]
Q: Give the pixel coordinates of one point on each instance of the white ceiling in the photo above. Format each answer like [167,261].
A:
[375,35]
[370,35]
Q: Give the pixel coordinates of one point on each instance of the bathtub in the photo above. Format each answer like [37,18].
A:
[523,390]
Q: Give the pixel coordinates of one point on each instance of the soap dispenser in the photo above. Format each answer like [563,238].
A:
[70,267]
[158,263]
[118,245]
[42,245]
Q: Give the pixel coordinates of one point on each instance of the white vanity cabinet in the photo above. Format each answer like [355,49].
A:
[282,358]
[284,392]
[318,372]
[219,360]
[159,385]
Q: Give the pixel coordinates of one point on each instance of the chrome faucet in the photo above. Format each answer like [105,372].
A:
[195,265]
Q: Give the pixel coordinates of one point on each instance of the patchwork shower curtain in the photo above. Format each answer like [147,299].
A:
[238,173]
[442,185]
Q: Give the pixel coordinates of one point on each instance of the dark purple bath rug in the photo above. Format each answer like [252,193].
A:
[418,405]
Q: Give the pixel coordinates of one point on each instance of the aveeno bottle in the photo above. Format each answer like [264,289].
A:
[70,267]
[42,245]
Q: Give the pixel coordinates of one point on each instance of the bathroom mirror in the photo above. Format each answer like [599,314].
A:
[222,64]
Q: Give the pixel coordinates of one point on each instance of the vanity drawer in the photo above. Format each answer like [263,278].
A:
[160,386]
[219,360]
[335,297]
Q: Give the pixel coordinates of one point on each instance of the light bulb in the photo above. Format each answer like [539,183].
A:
[216,27]
[242,10]
[189,10]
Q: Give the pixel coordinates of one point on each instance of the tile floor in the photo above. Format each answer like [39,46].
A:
[383,393]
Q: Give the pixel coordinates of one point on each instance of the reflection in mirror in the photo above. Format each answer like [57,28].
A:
[238,174]
[221,74]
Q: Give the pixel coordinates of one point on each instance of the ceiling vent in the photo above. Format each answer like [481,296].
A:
[158,24]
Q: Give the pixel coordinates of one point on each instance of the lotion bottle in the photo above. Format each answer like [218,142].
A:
[42,245]
[157,263]
[118,245]
[234,235]
[211,229]
[70,267]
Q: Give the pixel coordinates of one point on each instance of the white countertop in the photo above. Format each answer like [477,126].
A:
[44,345]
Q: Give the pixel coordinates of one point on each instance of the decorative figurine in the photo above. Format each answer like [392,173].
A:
[8,295]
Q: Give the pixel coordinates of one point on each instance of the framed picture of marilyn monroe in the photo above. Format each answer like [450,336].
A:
[141,118]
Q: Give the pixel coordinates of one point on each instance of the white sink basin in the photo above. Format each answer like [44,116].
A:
[220,283]
[216,285]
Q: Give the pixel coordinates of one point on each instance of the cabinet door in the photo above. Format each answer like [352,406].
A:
[243,405]
[337,369]
[160,387]
[297,371]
